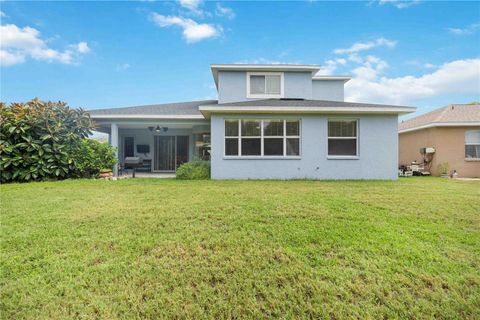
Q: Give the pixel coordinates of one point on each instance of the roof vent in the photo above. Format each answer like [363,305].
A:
[292,99]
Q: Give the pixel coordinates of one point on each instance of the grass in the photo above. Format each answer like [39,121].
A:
[240,249]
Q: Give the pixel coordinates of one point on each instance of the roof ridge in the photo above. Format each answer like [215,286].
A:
[442,112]
[426,114]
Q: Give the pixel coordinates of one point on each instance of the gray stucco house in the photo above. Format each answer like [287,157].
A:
[270,122]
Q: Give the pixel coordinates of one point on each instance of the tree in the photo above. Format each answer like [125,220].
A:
[37,139]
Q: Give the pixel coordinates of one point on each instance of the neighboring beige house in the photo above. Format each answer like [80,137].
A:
[454,133]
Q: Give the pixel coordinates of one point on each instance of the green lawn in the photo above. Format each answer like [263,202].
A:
[154,249]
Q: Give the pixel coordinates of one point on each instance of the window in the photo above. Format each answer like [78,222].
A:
[231,138]
[472,144]
[262,85]
[343,138]
[262,138]
[128,144]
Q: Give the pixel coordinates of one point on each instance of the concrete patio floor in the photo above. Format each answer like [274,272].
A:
[156,175]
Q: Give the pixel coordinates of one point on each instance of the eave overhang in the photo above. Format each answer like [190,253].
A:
[144,116]
[330,78]
[442,124]
[207,111]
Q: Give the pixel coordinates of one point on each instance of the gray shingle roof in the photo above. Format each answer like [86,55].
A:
[302,103]
[178,108]
[191,107]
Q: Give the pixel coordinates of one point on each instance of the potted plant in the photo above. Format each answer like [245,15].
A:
[444,169]
[105,173]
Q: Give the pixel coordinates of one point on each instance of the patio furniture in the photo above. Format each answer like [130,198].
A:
[133,163]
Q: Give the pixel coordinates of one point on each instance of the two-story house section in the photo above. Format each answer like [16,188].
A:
[269,122]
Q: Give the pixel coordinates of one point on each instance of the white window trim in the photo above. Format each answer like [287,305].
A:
[266,95]
[262,137]
[471,144]
[340,157]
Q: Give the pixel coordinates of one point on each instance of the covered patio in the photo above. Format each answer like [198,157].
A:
[163,145]
[163,135]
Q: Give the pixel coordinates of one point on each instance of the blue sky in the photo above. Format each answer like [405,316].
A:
[112,54]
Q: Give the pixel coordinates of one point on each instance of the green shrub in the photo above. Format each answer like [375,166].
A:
[90,157]
[36,139]
[194,170]
[444,168]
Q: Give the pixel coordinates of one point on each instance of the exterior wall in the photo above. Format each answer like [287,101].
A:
[449,144]
[298,85]
[232,86]
[328,90]
[378,153]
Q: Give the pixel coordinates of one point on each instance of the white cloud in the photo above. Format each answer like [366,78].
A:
[192,31]
[222,11]
[192,5]
[354,57]
[122,67]
[9,59]
[474,27]
[16,44]
[330,66]
[82,47]
[368,85]
[400,4]
[371,67]
[362,46]
[2,14]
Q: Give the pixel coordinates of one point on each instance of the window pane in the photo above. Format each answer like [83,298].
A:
[472,151]
[273,84]
[472,137]
[293,128]
[231,128]
[342,128]
[129,147]
[273,146]
[293,147]
[251,147]
[273,128]
[342,147]
[257,84]
[231,147]
[250,128]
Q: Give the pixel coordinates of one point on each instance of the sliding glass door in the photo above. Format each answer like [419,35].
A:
[170,152]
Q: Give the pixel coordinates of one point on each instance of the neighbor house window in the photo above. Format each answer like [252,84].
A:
[472,144]
[262,138]
[342,138]
[264,85]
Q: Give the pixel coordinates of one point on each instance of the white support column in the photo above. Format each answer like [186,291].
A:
[114,144]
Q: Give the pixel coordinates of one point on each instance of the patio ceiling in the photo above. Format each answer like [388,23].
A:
[104,126]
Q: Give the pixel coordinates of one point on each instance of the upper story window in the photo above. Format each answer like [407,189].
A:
[343,138]
[472,144]
[264,84]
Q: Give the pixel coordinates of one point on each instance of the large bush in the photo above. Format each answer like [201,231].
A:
[91,156]
[40,140]
[194,170]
